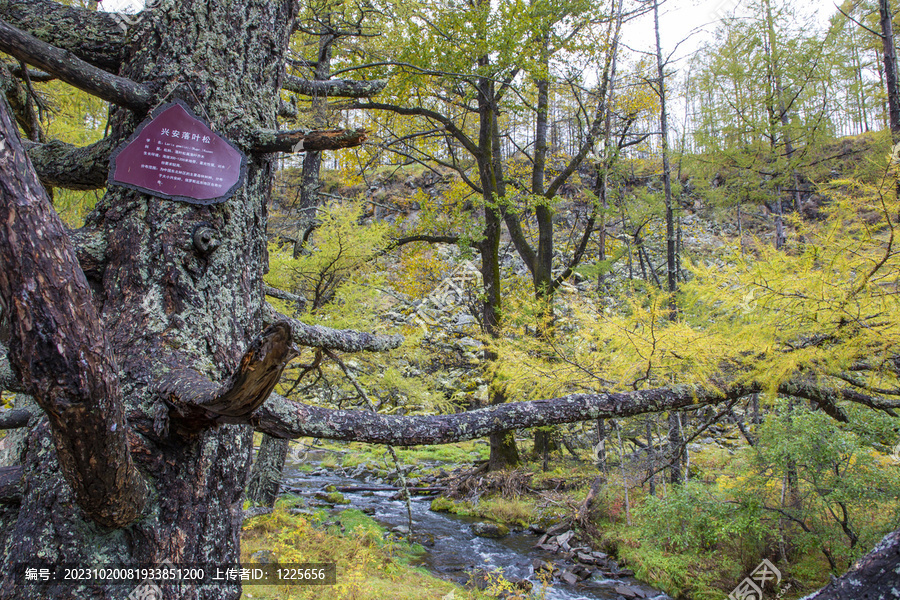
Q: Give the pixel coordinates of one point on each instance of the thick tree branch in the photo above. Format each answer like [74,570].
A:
[33,75]
[825,398]
[21,101]
[301,141]
[344,340]
[422,237]
[874,576]
[283,295]
[283,418]
[15,419]
[286,419]
[194,397]
[72,69]
[344,88]
[11,484]
[93,36]
[59,346]
[71,167]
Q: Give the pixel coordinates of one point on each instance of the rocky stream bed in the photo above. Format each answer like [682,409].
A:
[469,550]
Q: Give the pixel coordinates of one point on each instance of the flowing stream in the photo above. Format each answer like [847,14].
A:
[456,549]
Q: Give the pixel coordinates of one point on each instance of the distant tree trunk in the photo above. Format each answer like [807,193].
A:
[651,458]
[544,444]
[671,260]
[780,238]
[889,55]
[600,446]
[310,182]
[781,105]
[504,452]
[676,475]
[776,111]
[265,478]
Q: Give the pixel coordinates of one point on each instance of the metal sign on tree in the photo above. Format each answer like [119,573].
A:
[175,155]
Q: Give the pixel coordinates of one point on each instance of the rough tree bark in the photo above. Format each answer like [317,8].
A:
[265,478]
[889,56]
[159,299]
[148,366]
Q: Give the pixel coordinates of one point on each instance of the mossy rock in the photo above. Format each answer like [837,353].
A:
[331,498]
[446,505]
[490,530]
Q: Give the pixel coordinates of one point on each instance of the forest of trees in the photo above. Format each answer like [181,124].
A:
[387,145]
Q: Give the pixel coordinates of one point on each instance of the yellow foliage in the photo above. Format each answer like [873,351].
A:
[822,307]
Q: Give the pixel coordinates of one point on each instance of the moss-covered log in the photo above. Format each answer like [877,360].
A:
[286,419]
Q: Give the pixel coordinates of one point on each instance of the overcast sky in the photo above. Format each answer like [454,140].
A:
[687,24]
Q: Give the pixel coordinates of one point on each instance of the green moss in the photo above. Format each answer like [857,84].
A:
[442,504]
[369,566]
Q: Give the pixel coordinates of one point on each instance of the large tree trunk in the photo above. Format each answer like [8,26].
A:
[138,455]
[160,295]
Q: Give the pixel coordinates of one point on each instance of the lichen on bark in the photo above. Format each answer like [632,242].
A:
[157,296]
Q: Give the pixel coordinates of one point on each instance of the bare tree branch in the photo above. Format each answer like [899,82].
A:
[93,36]
[448,123]
[15,419]
[423,237]
[344,340]
[283,295]
[283,418]
[11,484]
[823,397]
[71,167]
[302,141]
[72,69]
[343,88]
[59,346]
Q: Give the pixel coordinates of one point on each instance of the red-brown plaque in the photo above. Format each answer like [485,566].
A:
[175,155]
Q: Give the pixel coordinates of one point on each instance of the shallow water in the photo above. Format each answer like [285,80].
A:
[457,550]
